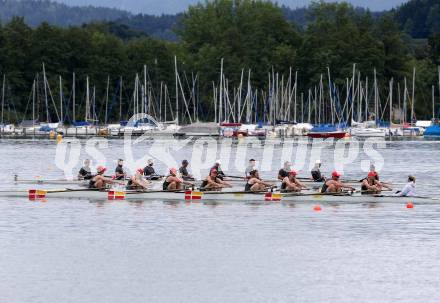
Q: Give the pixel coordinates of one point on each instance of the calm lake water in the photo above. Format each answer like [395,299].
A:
[163,251]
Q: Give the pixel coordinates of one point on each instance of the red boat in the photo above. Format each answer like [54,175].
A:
[324,135]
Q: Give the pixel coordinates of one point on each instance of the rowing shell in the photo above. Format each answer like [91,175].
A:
[215,196]
[156,184]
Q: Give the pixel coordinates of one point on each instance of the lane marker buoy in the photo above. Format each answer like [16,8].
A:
[317,208]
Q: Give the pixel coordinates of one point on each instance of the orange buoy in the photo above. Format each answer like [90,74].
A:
[409,205]
[317,208]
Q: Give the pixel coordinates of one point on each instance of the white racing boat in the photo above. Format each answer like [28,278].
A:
[231,196]
[236,182]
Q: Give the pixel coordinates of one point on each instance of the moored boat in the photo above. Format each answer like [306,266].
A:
[324,135]
[363,132]
[327,131]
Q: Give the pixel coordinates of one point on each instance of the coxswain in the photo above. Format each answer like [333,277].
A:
[291,183]
[85,172]
[183,170]
[137,181]
[334,185]
[172,182]
[284,172]
[255,183]
[218,168]
[316,172]
[120,174]
[250,168]
[213,182]
[149,171]
[99,181]
[371,185]
[410,188]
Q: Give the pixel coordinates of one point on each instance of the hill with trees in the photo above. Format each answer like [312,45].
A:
[250,35]
[419,18]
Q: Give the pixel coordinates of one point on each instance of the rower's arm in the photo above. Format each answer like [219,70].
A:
[300,184]
[289,183]
[385,185]
[211,182]
[366,184]
[225,183]
[347,186]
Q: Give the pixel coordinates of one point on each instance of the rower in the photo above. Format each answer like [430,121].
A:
[284,172]
[255,183]
[316,172]
[249,169]
[183,170]
[373,170]
[137,181]
[99,181]
[410,188]
[334,185]
[85,172]
[217,167]
[172,182]
[120,174]
[149,171]
[371,185]
[291,183]
[213,182]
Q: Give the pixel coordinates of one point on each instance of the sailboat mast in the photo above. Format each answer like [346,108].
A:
[177,91]
[87,99]
[295,97]
[45,94]
[352,93]
[330,95]
[413,93]
[120,99]
[366,99]
[94,116]
[3,98]
[220,105]
[33,103]
[391,101]
[433,102]
[73,99]
[145,92]
[439,80]
[61,100]
[106,100]
[375,97]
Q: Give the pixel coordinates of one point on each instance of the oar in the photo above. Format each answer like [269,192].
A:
[235,177]
[155,191]
[49,191]
[315,194]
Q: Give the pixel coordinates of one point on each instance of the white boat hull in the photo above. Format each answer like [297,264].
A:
[369,132]
[227,196]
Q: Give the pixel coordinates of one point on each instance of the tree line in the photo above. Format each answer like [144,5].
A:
[249,35]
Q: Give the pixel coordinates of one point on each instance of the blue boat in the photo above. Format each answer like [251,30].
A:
[432,131]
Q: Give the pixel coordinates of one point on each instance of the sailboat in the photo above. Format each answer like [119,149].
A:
[4,128]
[87,126]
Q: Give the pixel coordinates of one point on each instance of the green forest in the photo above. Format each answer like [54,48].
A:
[248,35]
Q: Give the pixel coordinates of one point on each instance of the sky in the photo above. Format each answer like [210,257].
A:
[157,7]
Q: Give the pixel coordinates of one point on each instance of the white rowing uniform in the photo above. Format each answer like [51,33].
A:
[409,190]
